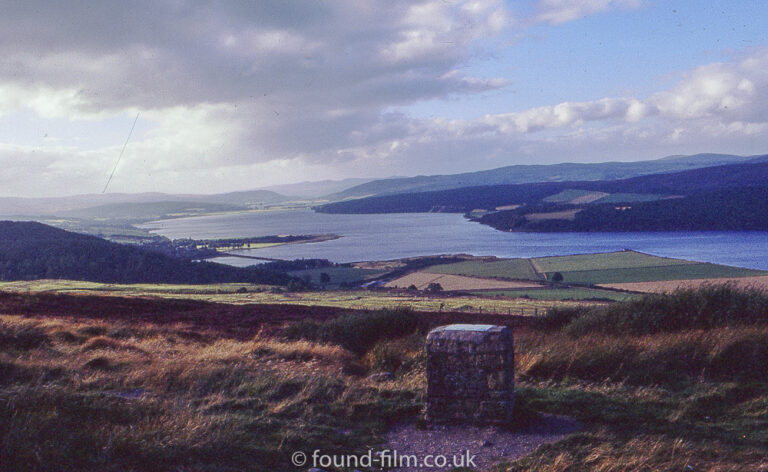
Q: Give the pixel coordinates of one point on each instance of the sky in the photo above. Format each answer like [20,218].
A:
[237,95]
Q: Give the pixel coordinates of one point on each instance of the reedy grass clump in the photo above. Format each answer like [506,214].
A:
[705,307]
[664,383]
[716,332]
[722,354]
[401,354]
[22,336]
[357,332]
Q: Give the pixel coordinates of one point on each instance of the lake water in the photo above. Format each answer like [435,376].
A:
[392,236]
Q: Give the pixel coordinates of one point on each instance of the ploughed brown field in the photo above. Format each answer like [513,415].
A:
[555,215]
[452,282]
[664,286]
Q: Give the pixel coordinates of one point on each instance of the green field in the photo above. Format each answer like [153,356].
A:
[607,260]
[567,293]
[589,269]
[501,269]
[571,194]
[338,275]
[653,274]
[630,198]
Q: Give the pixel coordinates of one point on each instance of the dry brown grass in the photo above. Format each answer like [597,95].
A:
[651,453]
[667,286]
[299,350]
[99,396]
[715,354]
[93,396]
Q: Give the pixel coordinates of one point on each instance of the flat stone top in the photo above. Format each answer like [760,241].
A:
[468,333]
[466,327]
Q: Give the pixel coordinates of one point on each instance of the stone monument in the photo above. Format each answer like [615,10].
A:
[470,374]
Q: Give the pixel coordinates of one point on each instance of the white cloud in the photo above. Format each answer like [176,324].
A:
[250,94]
[562,11]
[235,84]
[716,107]
[568,114]
[727,91]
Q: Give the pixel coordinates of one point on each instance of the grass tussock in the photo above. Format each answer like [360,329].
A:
[710,306]
[22,336]
[658,453]
[664,383]
[357,332]
[394,355]
[161,399]
[723,354]
[104,397]
[300,350]
[102,342]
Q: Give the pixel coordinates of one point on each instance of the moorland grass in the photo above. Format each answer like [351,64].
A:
[358,331]
[158,399]
[672,400]
[709,306]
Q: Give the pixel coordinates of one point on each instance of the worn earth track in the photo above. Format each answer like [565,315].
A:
[239,321]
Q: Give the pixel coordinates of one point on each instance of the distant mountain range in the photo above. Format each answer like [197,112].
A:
[490,197]
[143,211]
[71,205]
[733,196]
[317,189]
[158,205]
[520,174]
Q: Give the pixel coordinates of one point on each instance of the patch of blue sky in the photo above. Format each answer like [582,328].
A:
[625,53]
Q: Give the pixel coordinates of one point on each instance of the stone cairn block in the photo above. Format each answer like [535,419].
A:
[470,374]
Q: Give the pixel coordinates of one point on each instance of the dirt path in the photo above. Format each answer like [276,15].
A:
[488,445]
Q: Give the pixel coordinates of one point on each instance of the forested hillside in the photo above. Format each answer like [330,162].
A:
[30,250]
[742,209]
[520,174]
[729,197]
[465,199]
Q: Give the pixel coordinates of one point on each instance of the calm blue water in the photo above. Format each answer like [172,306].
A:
[392,236]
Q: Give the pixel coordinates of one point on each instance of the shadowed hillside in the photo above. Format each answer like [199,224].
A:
[729,197]
[30,250]
[520,174]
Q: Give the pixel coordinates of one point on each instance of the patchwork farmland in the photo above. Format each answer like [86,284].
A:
[604,276]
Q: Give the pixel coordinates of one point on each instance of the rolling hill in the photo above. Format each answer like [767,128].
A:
[316,189]
[734,209]
[18,206]
[520,174]
[142,211]
[30,250]
[728,197]
[490,197]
